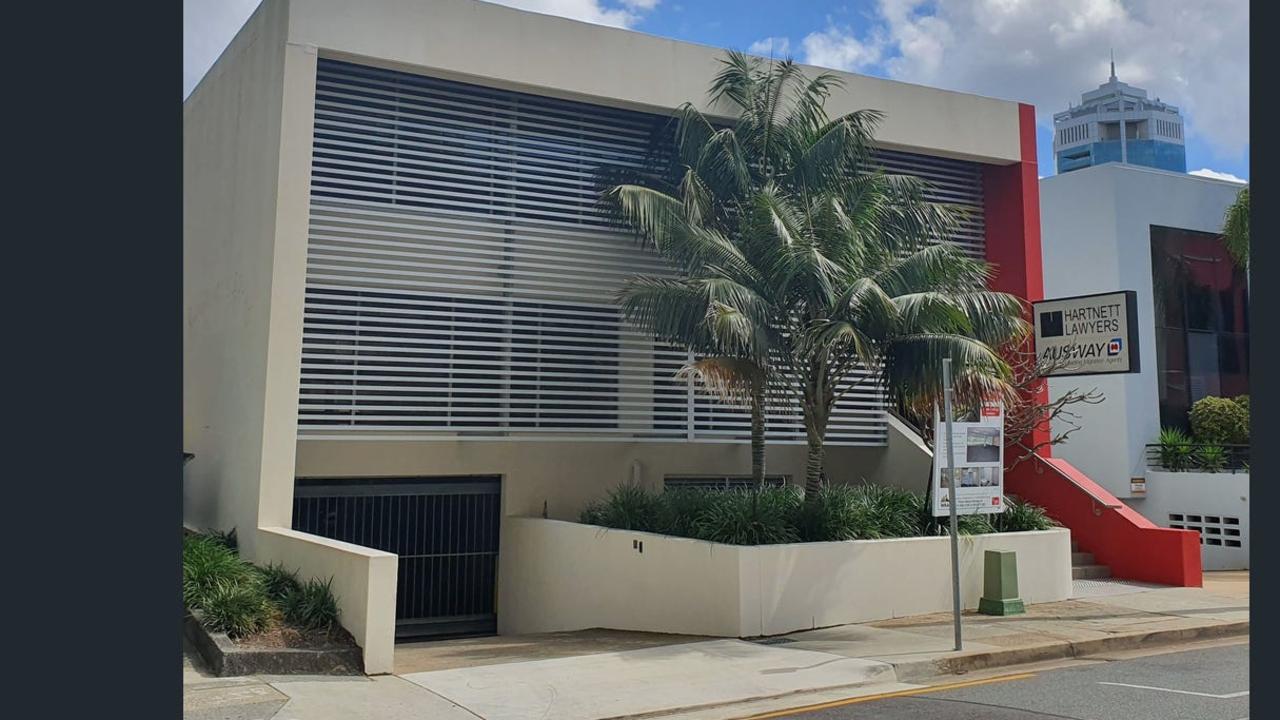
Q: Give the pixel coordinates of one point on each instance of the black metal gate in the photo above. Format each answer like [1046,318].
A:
[445,531]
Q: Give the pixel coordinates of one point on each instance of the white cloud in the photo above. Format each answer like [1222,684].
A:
[774,47]
[209,25]
[838,48]
[625,13]
[1192,53]
[1206,172]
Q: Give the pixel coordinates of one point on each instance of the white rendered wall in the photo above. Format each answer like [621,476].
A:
[231,163]
[559,576]
[1096,237]
[500,46]
[1206,502]
[364,585]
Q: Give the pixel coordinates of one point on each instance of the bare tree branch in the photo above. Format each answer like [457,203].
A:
[1035,410]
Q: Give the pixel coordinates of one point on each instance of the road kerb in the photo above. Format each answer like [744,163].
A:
[913,671]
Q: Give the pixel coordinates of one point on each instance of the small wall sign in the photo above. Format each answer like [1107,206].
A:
[1088,334]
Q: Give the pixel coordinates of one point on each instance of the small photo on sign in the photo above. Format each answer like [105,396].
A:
[982,445]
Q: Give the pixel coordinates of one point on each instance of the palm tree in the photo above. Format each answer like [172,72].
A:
[799,253]
[1235,230]
[734,355]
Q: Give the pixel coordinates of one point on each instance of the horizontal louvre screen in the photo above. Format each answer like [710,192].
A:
[460,278]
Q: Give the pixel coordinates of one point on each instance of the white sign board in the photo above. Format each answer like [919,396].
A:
[978,462]
[1089,334]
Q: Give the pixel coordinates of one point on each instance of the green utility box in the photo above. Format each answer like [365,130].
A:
[1000,584]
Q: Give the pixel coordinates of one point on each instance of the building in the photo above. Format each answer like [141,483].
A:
[1121,227]
[1119,123]
[399,326]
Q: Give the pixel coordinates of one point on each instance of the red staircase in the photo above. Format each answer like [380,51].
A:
[1115,534]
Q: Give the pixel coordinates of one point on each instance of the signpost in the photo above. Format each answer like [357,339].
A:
[968,472]
[951,490]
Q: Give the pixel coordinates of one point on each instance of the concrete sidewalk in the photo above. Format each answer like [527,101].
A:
[607,674]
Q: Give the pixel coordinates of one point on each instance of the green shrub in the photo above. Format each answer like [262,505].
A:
[680,508]
[1218,420]
[965,525]
[237,608]
[1211,458]
[746,517]
[278,581]
[311,606]
[226,538]
[1175,449]
[1019,516]
[861,512]
[1242,401]
[628,507]
[207,564]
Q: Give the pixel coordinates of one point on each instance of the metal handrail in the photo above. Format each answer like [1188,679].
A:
[1087,491]
[1190,457]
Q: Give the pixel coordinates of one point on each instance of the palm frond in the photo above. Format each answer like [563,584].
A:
[1235,231]
[912,369]
[995,318]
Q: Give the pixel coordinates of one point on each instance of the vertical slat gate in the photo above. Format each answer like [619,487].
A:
[444,530]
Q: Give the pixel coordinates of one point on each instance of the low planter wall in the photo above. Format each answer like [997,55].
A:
[226,659]
[364,585]
[557,576]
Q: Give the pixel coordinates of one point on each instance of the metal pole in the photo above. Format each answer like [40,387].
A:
[951,489]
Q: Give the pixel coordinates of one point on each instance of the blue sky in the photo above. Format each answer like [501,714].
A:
[1191,53]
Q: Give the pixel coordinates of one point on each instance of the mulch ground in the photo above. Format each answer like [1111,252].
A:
[284,636]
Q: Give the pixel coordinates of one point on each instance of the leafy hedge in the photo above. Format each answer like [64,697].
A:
[1218,420]
[241,599]
[774,515]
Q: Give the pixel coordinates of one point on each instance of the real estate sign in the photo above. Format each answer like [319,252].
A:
[977,462]
[1088,334]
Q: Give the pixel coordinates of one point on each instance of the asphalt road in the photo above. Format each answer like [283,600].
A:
[1208,684]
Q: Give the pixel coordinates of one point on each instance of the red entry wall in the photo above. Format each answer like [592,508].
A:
[1118,536]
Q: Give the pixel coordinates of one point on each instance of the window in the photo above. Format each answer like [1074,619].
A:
[1202,321]
[720,482]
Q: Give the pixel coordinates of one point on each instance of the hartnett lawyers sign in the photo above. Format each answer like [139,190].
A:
[1088,334]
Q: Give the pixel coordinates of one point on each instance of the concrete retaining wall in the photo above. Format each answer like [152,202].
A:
[560,575]
[364,584]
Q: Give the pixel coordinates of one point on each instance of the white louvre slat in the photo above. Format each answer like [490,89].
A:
[461,279]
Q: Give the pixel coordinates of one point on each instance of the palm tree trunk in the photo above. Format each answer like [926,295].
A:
[815,425]
[813,467]
[815,422]
[757,435]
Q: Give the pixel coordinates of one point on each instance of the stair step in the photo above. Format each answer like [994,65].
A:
[1090,572]
[1081,558]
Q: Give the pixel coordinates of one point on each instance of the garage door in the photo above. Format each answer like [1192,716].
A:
[445,531]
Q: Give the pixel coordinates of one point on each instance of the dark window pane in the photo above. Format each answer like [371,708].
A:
[1173,401]
[1203,312]
[1202,321]
[1202,365]
[1233,363]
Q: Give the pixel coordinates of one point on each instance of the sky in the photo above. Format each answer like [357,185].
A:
[1191,53]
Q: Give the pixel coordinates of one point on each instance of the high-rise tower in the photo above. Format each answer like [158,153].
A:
[1119,123]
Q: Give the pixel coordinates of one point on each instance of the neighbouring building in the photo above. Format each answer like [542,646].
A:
[1121,227]
[1119,123]
[398,291]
